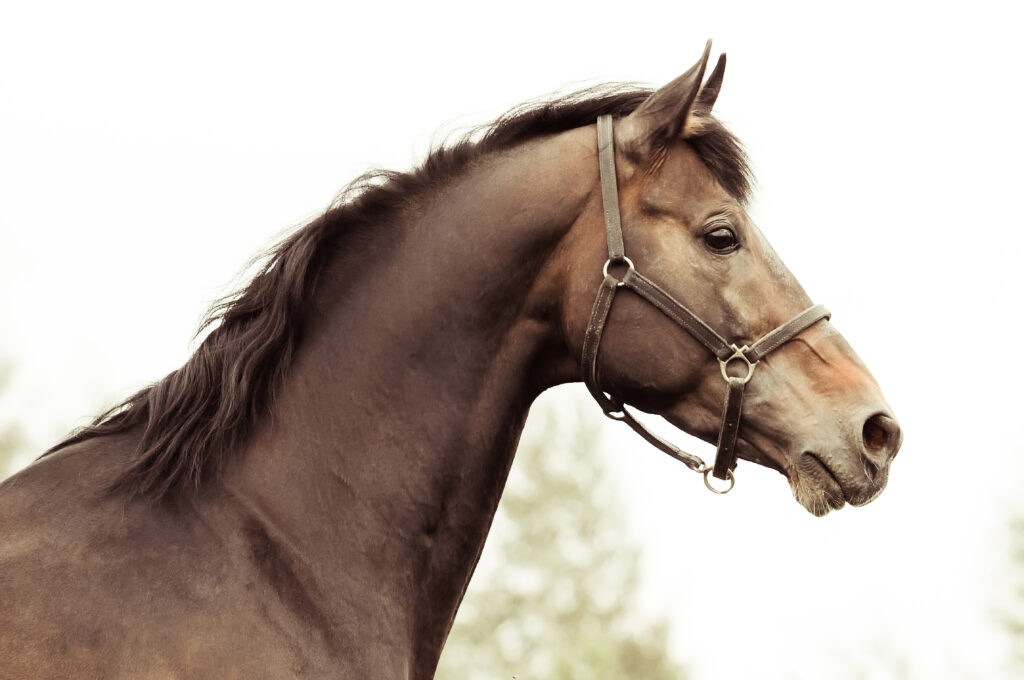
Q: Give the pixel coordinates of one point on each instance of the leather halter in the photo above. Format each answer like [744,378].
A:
[725,352]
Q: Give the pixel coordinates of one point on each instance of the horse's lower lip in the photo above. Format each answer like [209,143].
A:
[837,499]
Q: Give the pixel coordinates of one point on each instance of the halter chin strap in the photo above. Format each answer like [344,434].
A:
[726,353]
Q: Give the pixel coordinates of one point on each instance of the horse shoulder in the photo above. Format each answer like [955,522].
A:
[93,586]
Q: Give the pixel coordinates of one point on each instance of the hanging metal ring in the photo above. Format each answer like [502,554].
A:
[722,492]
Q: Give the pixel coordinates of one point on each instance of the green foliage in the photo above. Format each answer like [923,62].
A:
[555,593]
[1015,615]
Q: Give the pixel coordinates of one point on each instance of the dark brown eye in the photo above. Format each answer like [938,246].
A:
[721,239]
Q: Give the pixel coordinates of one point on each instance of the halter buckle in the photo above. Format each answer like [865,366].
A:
[619,260]
[737,353]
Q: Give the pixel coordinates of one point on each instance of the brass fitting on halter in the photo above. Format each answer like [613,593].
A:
[620,260]
[707,470]
[738,353]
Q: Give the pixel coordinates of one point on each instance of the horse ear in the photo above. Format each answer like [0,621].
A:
[677,109]
[709,93]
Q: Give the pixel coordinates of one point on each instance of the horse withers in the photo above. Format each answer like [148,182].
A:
[309,493]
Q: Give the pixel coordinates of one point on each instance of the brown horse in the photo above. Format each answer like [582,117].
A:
[308,495]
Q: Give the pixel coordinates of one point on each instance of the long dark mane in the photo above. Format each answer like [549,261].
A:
[194,419]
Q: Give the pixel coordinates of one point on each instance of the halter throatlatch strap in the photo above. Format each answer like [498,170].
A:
[725,352]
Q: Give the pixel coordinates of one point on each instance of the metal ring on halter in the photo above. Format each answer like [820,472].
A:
[738,353]
[619,260]
[707,482]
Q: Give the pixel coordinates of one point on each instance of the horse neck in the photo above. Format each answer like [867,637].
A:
[392,438]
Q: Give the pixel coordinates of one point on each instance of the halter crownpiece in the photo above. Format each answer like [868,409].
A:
[725,352]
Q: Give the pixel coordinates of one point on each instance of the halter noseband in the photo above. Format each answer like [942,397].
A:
[725,352]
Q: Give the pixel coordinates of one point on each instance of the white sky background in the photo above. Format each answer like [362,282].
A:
[146,154]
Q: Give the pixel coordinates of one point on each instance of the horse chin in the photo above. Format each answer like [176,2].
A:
[815,486]
[821,485]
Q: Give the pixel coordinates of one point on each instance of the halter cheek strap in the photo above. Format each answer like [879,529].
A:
[726,353]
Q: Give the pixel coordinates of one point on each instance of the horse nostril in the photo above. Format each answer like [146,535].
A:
[881,434]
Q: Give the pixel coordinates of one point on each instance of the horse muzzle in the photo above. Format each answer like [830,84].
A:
[826,478]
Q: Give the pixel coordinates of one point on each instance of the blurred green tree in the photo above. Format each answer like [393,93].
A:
[555,592]
[1015,611]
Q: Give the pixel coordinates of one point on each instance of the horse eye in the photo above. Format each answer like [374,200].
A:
[721,239]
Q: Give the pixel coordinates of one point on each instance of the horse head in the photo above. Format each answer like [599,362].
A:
[811,409]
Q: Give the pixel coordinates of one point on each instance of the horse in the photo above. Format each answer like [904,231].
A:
[308,495]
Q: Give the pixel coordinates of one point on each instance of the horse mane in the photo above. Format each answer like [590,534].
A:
[194,419]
